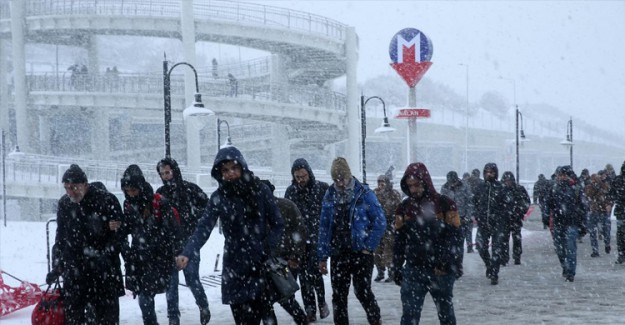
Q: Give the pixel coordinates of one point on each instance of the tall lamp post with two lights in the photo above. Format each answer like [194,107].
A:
[384,128]
[196,109]
[568,142]
[228,142]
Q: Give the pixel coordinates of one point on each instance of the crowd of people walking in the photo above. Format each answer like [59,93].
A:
[415,238]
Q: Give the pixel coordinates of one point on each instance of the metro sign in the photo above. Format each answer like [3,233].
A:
[413,113]
[410,51]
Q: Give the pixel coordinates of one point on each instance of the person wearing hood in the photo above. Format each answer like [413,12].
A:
[350,229]
[154,227]
[86,252]
[190,201]
[291,249]
[390,200]
[427,230]
[252,228]
[568,213]
[307,193]
[460,193]
[516,204]
[541,191]
[492,221]
[617,195]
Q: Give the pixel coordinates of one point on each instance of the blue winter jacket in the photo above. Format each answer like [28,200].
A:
[252,228]
[366,219]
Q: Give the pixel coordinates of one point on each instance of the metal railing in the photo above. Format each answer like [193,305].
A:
[241,12]
[255,89]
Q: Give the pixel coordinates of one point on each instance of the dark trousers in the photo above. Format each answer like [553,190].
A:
[466,226]
[192,278]
[311,280]
[620,239]
[146,303]
[103,310]
[253,312]
[482,241]
[517,243]
[357,268]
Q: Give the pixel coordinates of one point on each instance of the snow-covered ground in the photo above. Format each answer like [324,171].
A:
[532,293]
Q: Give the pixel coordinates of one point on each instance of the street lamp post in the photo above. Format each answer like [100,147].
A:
[466,128]
[384,128]
[568,142]
[196,109]
[519,117]
[228,142]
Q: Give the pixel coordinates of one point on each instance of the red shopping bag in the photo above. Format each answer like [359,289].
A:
[49,310]
[12,299]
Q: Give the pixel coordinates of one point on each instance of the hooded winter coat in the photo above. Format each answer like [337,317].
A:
[252,228]
[188,198]
[308,199]
[516,200]
[366,220]
[460,193]
[489,202]
[597,193]
[617,194]
[566,201]
[427,228]
[155,230]
[389,199]
[86,250]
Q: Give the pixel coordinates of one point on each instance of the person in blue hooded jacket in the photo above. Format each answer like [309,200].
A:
[252,228]
[350,229]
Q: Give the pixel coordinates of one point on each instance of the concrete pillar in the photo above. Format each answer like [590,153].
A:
[92,54]
[353,109]
[280,149]
[187,25]
[100,136]
[278,78]
[18,23]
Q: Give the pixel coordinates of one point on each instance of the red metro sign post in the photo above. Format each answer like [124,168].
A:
[411,51]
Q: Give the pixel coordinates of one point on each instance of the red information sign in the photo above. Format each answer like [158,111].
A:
[413,113]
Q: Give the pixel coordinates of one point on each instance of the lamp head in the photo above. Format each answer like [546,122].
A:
[197,109]
[385,127]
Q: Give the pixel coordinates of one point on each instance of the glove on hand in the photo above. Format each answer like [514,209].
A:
[52,276]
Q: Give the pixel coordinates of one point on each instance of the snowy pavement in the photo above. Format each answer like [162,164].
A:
[531,293]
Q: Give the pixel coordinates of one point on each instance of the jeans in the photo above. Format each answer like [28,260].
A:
[192,278]
[620,239]
[601,221]
[416,284]
[353,267]
[146,303]
[466,227]
[565,241]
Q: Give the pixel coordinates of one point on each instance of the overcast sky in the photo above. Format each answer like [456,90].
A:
[568,54]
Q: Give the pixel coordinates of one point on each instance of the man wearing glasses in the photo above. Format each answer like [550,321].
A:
[190,201]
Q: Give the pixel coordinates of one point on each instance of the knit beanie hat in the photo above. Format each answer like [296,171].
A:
[340,169]
[74,175]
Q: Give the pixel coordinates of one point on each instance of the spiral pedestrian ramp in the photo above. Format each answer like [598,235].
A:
[304,51]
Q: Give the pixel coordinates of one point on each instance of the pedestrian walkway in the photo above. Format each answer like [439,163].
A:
[531,293]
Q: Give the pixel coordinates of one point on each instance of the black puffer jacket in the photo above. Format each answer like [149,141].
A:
[489,202]
[155,230]
[617,194]
[516,199]
[566,201]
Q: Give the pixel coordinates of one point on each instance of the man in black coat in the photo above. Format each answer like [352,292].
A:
[617,195]
[491,221]
[190,202]
[86,251]
[307,193]
[541,191]
[516,203]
